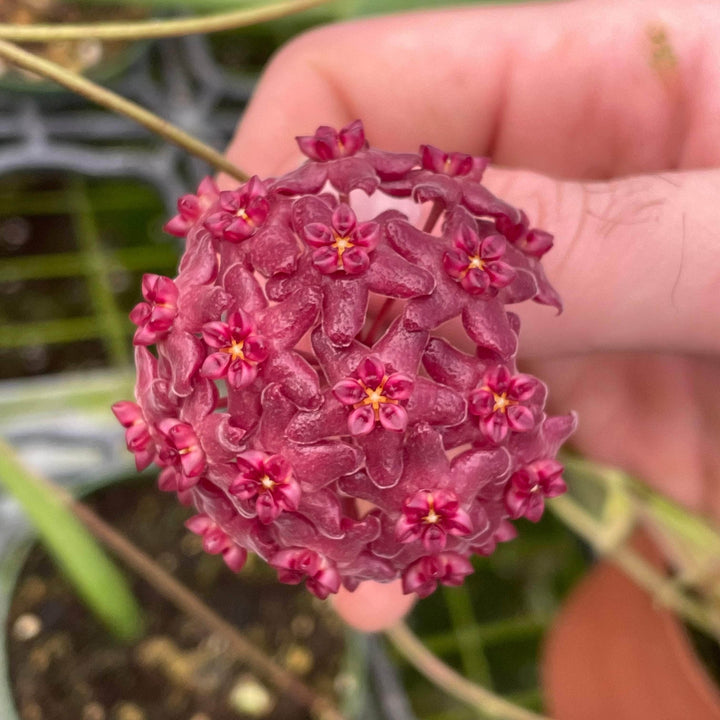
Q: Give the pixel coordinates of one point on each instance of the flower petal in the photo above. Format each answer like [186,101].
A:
[361,421]
[520,418]
[343,220]
[216,366]
[393,417]
[399,386]
[349,391]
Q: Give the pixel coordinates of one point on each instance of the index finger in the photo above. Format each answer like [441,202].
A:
[582,90]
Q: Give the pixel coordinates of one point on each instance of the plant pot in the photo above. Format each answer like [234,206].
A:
[615,653]
[82,451]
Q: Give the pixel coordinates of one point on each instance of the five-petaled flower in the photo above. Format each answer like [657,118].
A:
[501,403]
[451,163]
[191,208]
[529,486]
[344,245]
[137,433]
[155,317]
[532,241]
[181,456]
[375,396]
[216,541]
[476,264]
[240,213]
[268,481]
[430,516]
[423,576]
[239,350]
[330,144]
[294,565]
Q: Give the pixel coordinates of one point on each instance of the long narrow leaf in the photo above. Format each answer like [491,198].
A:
[97,580]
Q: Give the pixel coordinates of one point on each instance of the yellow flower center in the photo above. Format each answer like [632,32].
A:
[267,483]
[476,262]
[376,397]
[432,518]
[236,350]
[502,401]
[341,244]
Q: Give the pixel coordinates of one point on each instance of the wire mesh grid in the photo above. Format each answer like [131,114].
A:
[83,195]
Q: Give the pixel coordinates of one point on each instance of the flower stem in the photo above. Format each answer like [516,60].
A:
[435,670]
[116,103]
[609,539]
[378,320]
[144,29]
[190,604]
[435,213]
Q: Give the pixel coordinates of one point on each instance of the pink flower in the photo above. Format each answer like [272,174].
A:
[470,279]
[531,241]
[346,294]
[376,397]
[452,164]
[155,317]
[529,486]
[423,576]
[297,564]
[339,157]
[217,542]
[344,245]
[240,350]
[192,207]
[240,212]
[430,517]
[476,264]
[330,144]
[181,455]
[504,403]
[137,435]
[266,480]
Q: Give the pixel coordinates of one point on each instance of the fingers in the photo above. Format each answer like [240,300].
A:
[578,89]
[636,261]
[372,606]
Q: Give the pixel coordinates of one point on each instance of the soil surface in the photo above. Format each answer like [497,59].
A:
[64,666]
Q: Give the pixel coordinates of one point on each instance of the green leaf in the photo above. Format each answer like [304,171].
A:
[96,579]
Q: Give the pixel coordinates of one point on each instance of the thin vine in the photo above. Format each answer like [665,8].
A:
[440,674]
[118,104]
[146,29]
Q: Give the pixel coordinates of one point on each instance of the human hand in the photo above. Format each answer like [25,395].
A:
[604,118]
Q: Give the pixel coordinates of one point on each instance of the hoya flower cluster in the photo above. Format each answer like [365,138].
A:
[294,383]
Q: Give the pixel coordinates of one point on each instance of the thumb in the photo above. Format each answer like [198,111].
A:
[373,606]
[636,260]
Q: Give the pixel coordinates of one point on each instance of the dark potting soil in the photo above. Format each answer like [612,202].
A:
[64,666]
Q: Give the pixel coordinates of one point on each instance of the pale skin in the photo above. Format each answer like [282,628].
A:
[604,120]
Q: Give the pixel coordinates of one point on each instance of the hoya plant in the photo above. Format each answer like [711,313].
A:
[294,384]
[331,381]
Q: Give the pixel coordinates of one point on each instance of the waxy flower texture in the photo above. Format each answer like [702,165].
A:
[294,386]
